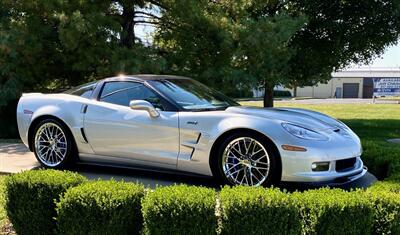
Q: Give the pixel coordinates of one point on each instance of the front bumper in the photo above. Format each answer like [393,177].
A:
[339,181]
[299,170]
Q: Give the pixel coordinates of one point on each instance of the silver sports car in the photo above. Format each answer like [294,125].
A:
[171,123]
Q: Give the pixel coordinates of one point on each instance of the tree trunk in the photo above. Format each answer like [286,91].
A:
[294,91]
[268,95]
[128,27]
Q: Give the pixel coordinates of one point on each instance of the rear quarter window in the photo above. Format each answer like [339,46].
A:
[84,91]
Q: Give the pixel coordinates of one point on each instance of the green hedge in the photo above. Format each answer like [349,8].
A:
[259,210]
[387,185]
[334,211]
[110,207]
[101,207]
[180,209]
[31,196]
[386,211]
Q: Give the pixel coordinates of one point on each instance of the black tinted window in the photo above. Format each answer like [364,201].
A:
[85,90]
[122,93]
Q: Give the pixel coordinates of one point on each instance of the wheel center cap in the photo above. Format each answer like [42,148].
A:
[52,144]
[246,162]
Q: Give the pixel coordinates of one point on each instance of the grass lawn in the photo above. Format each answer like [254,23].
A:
[374,123]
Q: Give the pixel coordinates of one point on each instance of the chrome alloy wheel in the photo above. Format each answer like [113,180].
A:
[50,144]
[245,161]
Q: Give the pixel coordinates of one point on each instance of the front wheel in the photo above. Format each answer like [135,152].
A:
[246,159]
[53,145]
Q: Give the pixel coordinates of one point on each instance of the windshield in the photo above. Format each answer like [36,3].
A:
[192,95]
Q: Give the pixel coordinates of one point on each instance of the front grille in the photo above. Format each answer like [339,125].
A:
[345,164]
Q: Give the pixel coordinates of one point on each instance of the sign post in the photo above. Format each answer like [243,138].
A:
[386,87]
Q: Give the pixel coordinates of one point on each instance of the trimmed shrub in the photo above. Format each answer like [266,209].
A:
[247,210]
[31,196]
[180,209]
[387,185]
[334,211]
[386,212]
[101,207]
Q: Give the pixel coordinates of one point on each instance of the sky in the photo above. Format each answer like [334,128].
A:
[390,58]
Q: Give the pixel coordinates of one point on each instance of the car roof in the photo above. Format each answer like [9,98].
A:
[144,77]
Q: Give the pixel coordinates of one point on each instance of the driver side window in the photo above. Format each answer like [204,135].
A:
[122,93]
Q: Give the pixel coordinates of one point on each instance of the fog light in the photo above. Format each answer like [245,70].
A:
[320,166]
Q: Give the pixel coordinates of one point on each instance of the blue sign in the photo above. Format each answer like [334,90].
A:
[386,87]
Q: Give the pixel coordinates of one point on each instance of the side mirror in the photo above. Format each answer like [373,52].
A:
[144,105]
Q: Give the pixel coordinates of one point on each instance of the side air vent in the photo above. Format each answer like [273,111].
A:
[198,138]
[83,135]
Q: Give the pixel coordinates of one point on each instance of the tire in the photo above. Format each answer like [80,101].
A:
[53,144]
[247,158]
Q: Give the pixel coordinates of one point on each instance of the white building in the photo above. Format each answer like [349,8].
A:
[350,83]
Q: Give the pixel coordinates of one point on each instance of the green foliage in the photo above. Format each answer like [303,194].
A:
[109,207]
[101,207]
[31,196]
[388,185]
[386,210]
[334,211]
[273,42]
[180,209]
[47,46]
[3,213]
[196,43]
[247,210]
[339,33]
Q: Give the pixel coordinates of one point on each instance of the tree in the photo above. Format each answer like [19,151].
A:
[262,44]
[51,45]
[340,33]
[280,42]
[195,43]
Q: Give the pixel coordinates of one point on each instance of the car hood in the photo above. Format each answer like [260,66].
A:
[302,117]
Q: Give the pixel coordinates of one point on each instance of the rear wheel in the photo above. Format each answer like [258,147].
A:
[53,144]
[246,159]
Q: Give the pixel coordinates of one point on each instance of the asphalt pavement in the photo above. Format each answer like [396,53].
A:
[16,157]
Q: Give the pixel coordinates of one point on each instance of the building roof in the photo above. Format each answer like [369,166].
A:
[387,72]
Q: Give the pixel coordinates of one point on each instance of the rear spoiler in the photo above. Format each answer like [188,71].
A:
[31,94]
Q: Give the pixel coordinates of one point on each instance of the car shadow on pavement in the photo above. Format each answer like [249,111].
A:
[13,148]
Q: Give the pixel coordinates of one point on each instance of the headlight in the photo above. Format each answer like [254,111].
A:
[303,133]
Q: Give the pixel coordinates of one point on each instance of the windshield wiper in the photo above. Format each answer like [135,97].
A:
[210,109]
